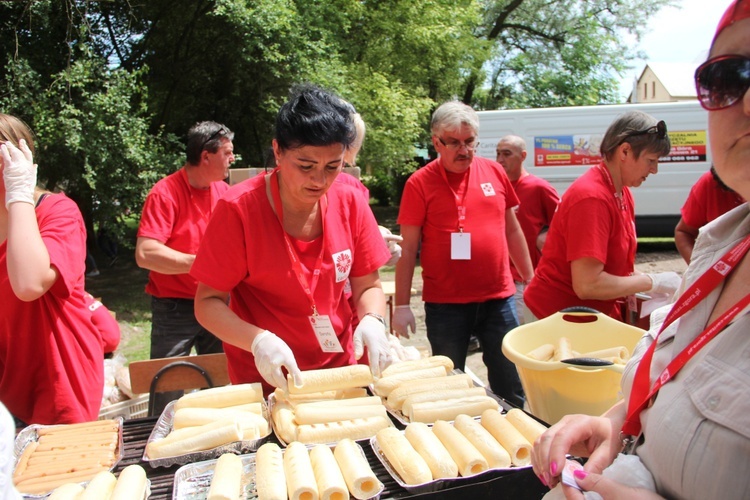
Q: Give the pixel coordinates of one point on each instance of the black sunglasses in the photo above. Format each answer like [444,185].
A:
[722,81]
[216,134]
[660,129]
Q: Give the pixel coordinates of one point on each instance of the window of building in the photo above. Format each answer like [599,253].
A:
[653,89]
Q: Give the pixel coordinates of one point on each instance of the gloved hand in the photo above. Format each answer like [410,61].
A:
[403,318]
[667,282]
[392,240]
[19,173]
[371,332]
[271,353]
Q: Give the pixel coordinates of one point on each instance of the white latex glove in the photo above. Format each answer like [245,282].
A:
[370,332]
[402,319]
[271,353]
[667,282]
[392,240]
[19,173]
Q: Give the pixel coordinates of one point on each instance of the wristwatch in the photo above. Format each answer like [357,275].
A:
[377,317]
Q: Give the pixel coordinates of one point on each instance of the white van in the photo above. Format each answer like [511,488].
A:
[563,142]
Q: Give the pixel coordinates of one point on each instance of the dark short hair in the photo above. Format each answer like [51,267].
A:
[314,117]
[629,128]
[205,136]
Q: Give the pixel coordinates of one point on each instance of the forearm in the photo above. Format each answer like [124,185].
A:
[684,243]
[368,295]
[608,286]
[214,314]
[519,255]
[156,256]
[404,277]
[29,269]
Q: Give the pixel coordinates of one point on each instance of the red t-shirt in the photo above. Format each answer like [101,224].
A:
[51,357]
[103,320]
[176,214]
[244,253]
[590,222]
[538,202]
[430,203]
[707,201]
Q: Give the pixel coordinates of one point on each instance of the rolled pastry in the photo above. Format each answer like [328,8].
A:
[221,397]
[469,460]
[397,396]
[563,350]
[131,484]
[338,403]
[441,394]
[527,426]
[618,355]
[331,432]
[101,486]
[191,417]
[351,392]
[310,414]
[408,464]
[68,491]
[328,476]
[433,451]
[542,353]
[256,407]
[497,457]
[448,409]
[385,385]
[229,432]
[270,480]
[227,479]
[359,477]
[418,364]
[300,478]
[508,436]
[331,379]
[283,419]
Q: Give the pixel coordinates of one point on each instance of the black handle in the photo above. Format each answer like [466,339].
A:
[580,309]
[587,362]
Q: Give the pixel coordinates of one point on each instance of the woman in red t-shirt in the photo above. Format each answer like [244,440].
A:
[51,354]
[589,254]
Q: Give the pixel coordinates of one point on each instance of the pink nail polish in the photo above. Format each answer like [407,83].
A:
[580,474]
[544,481]
[553,468]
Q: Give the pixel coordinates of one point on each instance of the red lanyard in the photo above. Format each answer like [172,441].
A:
[309,289]
[624,213]
[640,395]
[460,200]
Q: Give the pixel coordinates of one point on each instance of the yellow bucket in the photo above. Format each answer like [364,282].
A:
[553,388]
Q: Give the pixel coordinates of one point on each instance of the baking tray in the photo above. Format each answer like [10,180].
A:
[192,481]
[439,484]
[30,434]
[283,442]
[164,425]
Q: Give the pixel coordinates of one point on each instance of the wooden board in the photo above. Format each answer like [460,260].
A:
[142,373]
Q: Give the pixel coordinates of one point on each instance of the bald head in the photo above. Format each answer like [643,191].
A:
[511,153]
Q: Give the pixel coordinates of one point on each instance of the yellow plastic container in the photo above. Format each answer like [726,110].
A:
[555,389]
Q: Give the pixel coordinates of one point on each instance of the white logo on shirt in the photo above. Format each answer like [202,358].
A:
[488,189]
[342,261]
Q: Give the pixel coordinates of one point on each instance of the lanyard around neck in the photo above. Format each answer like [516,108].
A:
[307,288]
[459,199]
[641,395]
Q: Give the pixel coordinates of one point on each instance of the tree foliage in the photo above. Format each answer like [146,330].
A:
[109,86]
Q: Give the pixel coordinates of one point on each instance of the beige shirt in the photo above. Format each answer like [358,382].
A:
[697,433]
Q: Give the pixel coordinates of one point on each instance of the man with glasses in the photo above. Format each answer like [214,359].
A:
[459,208]
[173,222]
[538,201]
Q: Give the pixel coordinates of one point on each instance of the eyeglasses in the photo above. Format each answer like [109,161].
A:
[216,134]
[722,81]
[471,144]
[660,129]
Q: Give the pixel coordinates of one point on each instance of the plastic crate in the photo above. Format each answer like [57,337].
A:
[132,408]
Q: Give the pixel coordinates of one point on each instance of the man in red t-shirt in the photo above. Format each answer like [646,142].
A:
[173,222]
[538,203]
[708,199]
[459,208]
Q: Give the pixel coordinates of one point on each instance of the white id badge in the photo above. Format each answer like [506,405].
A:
[325,333]
[460,246]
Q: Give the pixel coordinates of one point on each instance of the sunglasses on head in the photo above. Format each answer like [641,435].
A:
[212,137]
[722,81]
[660,129]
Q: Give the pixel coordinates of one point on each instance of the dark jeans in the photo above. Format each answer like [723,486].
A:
[450,326]
[174,332]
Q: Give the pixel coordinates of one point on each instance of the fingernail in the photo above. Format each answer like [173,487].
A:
[553,468]
[580,474]
[541,478]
